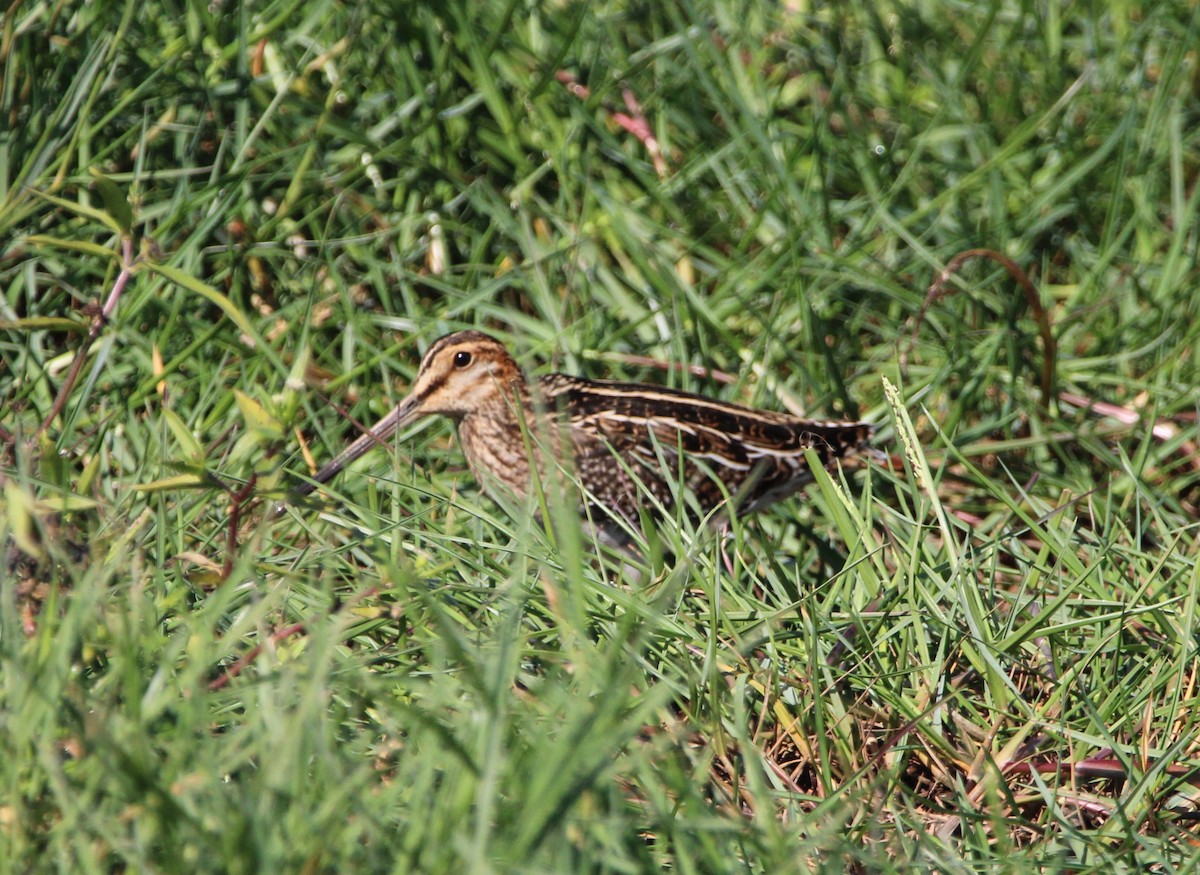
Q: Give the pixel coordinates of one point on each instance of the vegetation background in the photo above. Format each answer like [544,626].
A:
[242,223]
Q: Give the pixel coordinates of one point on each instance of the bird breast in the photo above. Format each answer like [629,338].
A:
[495,446]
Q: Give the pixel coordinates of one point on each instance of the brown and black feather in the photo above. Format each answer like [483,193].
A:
[629,439]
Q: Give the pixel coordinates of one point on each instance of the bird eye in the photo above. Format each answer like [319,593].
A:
[462,358]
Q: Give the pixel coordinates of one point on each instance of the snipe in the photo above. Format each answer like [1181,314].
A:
[629,445]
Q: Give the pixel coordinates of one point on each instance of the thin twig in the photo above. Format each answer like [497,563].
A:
[939,289]
[633,121]
[99,321]
[1099,769]
[235,515]
[245,660]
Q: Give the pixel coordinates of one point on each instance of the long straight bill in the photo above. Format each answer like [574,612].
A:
[378,435]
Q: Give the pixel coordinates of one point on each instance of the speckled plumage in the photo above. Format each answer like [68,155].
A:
[617,434]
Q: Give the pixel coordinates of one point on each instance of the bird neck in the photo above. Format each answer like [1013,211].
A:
[509,403]
[496,439]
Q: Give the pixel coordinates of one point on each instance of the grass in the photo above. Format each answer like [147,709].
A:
[978,657]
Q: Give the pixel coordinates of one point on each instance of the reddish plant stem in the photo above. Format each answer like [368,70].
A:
[99,321]
[1095,769]
[246,659]
[633,121]
[238,498]
[241,663]
[939,289]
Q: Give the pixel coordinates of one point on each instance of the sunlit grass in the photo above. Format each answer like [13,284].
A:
[978,655]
